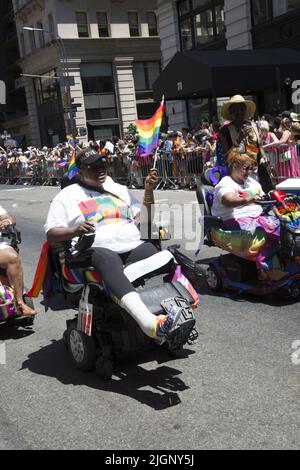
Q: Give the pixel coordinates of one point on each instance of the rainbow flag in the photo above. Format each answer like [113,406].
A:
[148,130]
[62,164]
[40,272]
[72,170]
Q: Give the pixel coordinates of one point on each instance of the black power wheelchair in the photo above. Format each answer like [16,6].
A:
[113,331]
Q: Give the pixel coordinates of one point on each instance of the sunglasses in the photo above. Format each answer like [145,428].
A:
[247,167]
[97,166]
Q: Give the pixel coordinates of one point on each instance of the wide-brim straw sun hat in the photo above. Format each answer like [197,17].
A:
[237,99]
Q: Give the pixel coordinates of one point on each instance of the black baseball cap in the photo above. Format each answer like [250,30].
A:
[89,156]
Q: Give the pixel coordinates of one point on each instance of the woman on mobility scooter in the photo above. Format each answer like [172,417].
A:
[246,231]
[10,262]
[98,206]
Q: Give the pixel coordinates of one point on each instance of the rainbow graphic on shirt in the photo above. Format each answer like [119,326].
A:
[105,210]
[247,192]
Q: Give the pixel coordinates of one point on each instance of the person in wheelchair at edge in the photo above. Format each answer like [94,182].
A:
[246,231]
[10,260]
[96,204]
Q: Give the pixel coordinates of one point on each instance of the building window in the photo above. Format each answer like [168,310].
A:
[22,45]
[201,22]
[152,23]
[32,40]
[200,3]
[220,21]
[204,28]
[186,34]
[96,132]
[264,11]
[133,21]
[145,74]
[47,88]
[102,25]
[280,7]
[183,7]
[82,25]
[50,23]
[41,34]
[98,90]
[261,10]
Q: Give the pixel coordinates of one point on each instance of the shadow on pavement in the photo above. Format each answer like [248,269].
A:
[14,332]
[129,378]
[272,300]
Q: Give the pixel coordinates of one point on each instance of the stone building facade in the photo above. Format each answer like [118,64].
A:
[222,24]
[87,65]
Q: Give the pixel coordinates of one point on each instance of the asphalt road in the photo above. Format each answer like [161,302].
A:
[236,388]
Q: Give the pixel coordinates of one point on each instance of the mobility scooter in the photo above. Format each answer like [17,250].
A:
[238,274]
[9,314]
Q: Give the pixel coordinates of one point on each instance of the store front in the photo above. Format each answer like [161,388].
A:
[203,77]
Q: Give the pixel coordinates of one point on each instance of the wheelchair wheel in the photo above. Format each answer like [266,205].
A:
[104,368]
[65,340]
[81,347]
[214,280]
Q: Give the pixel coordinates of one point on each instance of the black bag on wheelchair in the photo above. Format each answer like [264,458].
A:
[290,241]
[194,273]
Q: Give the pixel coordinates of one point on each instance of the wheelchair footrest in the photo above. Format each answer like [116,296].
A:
[184,331]
[154,296]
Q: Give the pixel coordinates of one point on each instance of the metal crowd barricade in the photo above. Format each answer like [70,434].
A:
[284,161]
[174,170]
[181,168]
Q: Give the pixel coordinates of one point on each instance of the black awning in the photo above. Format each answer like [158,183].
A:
[196,73]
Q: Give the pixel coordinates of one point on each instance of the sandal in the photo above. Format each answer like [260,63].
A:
[25,310]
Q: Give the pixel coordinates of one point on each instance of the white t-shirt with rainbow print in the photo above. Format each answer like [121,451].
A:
[251,187]
[112,215]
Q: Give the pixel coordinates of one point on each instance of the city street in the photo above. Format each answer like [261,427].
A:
[236,388]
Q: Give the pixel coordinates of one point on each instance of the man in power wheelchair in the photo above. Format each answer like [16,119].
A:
[103,214]
[240,219]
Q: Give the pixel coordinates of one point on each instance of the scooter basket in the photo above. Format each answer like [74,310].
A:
[7,302]
[288,212]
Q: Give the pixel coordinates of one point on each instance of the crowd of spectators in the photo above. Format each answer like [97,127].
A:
[181,157]
[180,153]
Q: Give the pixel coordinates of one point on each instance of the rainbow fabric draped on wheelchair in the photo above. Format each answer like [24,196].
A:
[253,238]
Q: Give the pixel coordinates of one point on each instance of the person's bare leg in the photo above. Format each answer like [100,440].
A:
[11,262]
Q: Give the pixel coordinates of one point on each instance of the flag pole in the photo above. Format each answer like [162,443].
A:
[156,150]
